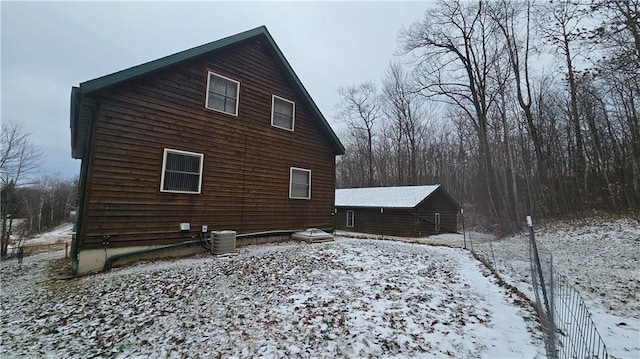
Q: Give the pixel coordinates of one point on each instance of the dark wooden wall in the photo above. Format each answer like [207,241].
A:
[393,222]
[416,222]
[438,202]
[245,184]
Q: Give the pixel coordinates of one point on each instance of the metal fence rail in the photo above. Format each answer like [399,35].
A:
[566,321]
[577,336]
[568,329]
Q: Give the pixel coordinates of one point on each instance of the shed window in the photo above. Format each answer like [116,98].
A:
[222,94]
[181,171]
[300,183]
[282,113]
[349,218]
[437,222]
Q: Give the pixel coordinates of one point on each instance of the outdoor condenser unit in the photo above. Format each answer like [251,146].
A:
[224,242]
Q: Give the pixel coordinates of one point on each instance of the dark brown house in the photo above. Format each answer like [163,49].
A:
[223,135]
[407,211]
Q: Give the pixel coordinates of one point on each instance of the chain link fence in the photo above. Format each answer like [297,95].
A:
[568,329]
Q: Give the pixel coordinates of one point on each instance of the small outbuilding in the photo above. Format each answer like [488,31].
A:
[406,211]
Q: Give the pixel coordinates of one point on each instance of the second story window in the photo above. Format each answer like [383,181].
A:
[222,94]
[282,113]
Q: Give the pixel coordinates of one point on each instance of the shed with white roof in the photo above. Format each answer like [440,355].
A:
[406,211]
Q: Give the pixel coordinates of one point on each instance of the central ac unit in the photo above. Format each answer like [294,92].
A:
[223,242]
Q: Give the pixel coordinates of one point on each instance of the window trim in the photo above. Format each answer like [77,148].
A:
[164,169]
[291,169]
[353,218]
[293,112]
[206,100]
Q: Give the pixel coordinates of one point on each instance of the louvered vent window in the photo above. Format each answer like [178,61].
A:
[222,94]
[300,183]
[282,113]
[181,171]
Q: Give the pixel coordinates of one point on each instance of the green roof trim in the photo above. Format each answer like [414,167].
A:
[88,87]
[132,72]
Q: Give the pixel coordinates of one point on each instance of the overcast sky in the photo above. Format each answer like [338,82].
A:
[48,47]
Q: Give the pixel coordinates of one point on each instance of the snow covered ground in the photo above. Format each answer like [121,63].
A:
[57,238]
[60,234]
[348,298]
[601,259]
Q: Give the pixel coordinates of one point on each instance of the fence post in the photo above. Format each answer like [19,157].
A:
[382,220]
[552,306]
[20,254]
[470,237]
[464,233]
[66,250]
[547,314]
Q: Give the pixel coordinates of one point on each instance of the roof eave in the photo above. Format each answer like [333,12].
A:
[373,207]
[103,82]
[72,122]
[167,61]
[446,193]
[340,149]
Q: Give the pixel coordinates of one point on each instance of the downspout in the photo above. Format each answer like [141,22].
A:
[84,174]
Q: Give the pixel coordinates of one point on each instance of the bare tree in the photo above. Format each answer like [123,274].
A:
[405,109]
[617,37]
[47,203]
[360,109]
[349,169]
[456,52]
[618,34]
[560,22]
[513,18]
[521,140]
[19,159]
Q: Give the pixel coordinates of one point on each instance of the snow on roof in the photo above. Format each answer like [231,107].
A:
[389,197]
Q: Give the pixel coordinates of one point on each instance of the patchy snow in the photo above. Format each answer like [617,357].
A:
[347,298]
[60,234]
[388,197]
[456,240]
[601,259]
[59,237]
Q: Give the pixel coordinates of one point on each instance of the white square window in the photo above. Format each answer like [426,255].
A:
[283,113]
[181,171]
[350,218]
[300,183]
[222,94]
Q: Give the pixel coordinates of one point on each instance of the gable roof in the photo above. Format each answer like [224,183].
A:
[86,89]
[384,197]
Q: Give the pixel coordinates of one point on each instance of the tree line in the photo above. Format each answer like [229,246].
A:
[516,107]
[29,203]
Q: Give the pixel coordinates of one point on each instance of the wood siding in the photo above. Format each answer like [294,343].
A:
[245,183]
[414,222]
